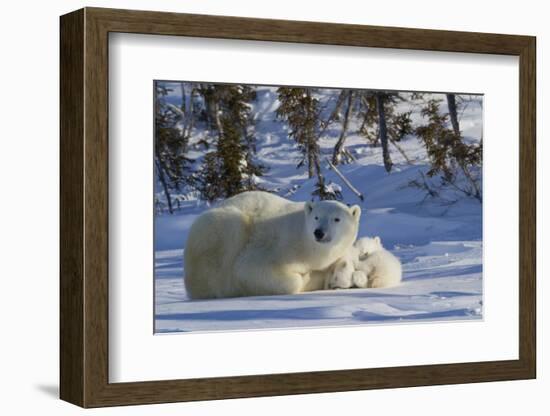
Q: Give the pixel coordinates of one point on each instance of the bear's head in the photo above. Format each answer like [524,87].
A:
[332,222]
[366,246]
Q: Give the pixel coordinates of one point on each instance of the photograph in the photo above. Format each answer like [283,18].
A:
[300,206]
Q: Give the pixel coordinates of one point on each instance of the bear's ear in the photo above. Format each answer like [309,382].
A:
[309,207]
[355,211]
[378,240]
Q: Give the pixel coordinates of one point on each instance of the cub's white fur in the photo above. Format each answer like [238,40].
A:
[366,264]
[341,274]
[380,266]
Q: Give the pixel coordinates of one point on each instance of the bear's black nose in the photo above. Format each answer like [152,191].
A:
[319,234]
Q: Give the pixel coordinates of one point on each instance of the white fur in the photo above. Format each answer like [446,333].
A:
[380,266]
[341,275]
[359,279]
[366,264]
[256,243]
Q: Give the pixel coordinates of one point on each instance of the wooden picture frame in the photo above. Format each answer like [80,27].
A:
[84,207]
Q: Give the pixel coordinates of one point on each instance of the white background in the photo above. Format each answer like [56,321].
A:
[257,352]
[29,220]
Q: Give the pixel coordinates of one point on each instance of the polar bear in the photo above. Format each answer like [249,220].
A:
[380,266]
[256,243]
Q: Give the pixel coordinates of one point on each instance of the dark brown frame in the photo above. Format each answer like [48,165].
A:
[84,209]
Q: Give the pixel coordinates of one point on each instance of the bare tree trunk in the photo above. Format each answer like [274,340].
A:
[335,112]
[310,163]
[365,102]
[183,104]
[341,140]
[313,161]
[365,119]
[217,120]
[451,103]
[320,177]
[345,180]
[190,119]
[383,132]
[349,157]
[212,109]
[409,161]
[164,184]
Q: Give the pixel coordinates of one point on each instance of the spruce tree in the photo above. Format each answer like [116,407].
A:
[232,165]
[231,153]
[339,147]
[451,105]
[383,124]
[207,181]
[171,145]
[300,110]
[381,99]
[448,152]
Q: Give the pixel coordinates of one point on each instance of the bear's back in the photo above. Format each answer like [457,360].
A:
[259,204]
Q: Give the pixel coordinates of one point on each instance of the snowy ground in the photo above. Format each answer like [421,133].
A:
[438,242]
[442,282]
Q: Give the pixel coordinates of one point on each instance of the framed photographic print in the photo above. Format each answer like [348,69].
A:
[255,207]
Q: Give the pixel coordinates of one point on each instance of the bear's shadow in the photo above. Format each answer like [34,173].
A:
[314,312]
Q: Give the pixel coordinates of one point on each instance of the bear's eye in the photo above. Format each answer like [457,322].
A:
[316,218]
[336,219]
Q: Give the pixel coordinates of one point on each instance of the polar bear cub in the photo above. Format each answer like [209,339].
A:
[367,264]
[343,273]
[380,266]
[340,275]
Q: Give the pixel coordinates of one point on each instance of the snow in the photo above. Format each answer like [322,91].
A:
[442,282]
[439,241]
